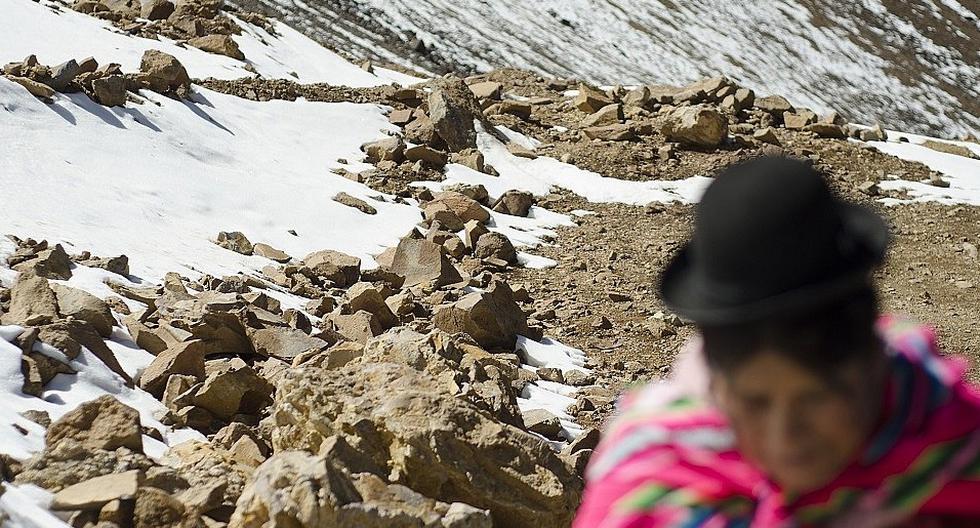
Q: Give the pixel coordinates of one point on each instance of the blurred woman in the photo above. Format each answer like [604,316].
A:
[798,405]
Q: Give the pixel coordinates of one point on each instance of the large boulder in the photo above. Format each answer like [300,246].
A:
[452,109]
[409,425]
[491,317]
[214,318]
[423,262]
[162,72]
[696,125]
[103,423]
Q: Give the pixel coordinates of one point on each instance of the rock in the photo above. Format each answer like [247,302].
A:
[578,378]
[495,245]
[41,91]
[444,447]
[491,317]
[102,423]
[70,335]
[463,206]
[356,203]
[110,90]
[63,74]
[421,131]
[213,317]
[364,296]
[285,343]
[51,263]
[637,97]
[436,159]
[423,262]
[827,130]
[156,9]
[358,326]
[473,159]
[517,108]
[473,230]
[611,114]
[163,72]
[118,265]
[400,117]
[875,133]
[486,90]
[32,302]
[542,422]
[86,307]
[235,389]
[696,125]
[616,132]
[389,149]
[766,135]
[832,118]
[587,439]
[156,508]
[742,99]
[220,44]
[339,268]
[551,374]
[949,148]
[452,108]
[184,358]
[590,100]
[269,252]
[937,181]
[95,493]
[799,119]
[235,241]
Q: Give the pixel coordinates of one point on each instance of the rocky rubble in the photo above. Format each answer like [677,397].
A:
[105,84]
[202,24]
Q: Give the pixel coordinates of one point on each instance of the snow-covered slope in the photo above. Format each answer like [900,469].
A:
[913,65]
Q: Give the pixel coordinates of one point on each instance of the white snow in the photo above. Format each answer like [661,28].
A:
[962,173]
[26,506]
[553,397]
[56,34]
[158,181]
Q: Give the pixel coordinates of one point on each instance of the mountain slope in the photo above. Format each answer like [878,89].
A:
[911,65]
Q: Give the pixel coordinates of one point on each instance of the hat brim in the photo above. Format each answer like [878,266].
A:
[687,294]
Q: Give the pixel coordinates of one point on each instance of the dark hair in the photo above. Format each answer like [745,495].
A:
[820,340]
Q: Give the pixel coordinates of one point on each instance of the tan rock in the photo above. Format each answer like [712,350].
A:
[799,119]
[95,493]
[235,241]
[285,343]
[614,132]
[452,109]
[423,262]
[220,44]
[35,88]
[466,208]
[343,270]
[156,508]
[364,296]
[184,358]
[102,423]
[389,149]
[156,9]
[358,326]
[238,389]
[492,317]
[486,90]
[590,100]
[32,302]
[163,72]
[356,203]
[110,90]
[495,246]
[85,306]
[611,114]
[696,125]
[774,104]
[269,252]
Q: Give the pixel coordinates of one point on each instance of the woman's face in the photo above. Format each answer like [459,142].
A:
[796,426]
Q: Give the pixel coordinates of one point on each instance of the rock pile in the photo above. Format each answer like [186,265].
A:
[199,23]
[105,84]
[397,392]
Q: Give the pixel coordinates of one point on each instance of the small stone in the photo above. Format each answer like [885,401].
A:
[696,125]
[495,245]
[611,114]
[590,100]
[41,91]
[389,149]
[110,90]
[486,90]
[514,202]
[184,358]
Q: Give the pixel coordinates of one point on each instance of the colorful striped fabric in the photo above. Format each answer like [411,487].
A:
[672,461]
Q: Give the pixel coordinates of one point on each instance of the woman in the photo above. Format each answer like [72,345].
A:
[798,405]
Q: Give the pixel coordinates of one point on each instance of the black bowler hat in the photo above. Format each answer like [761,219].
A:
[770,239]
